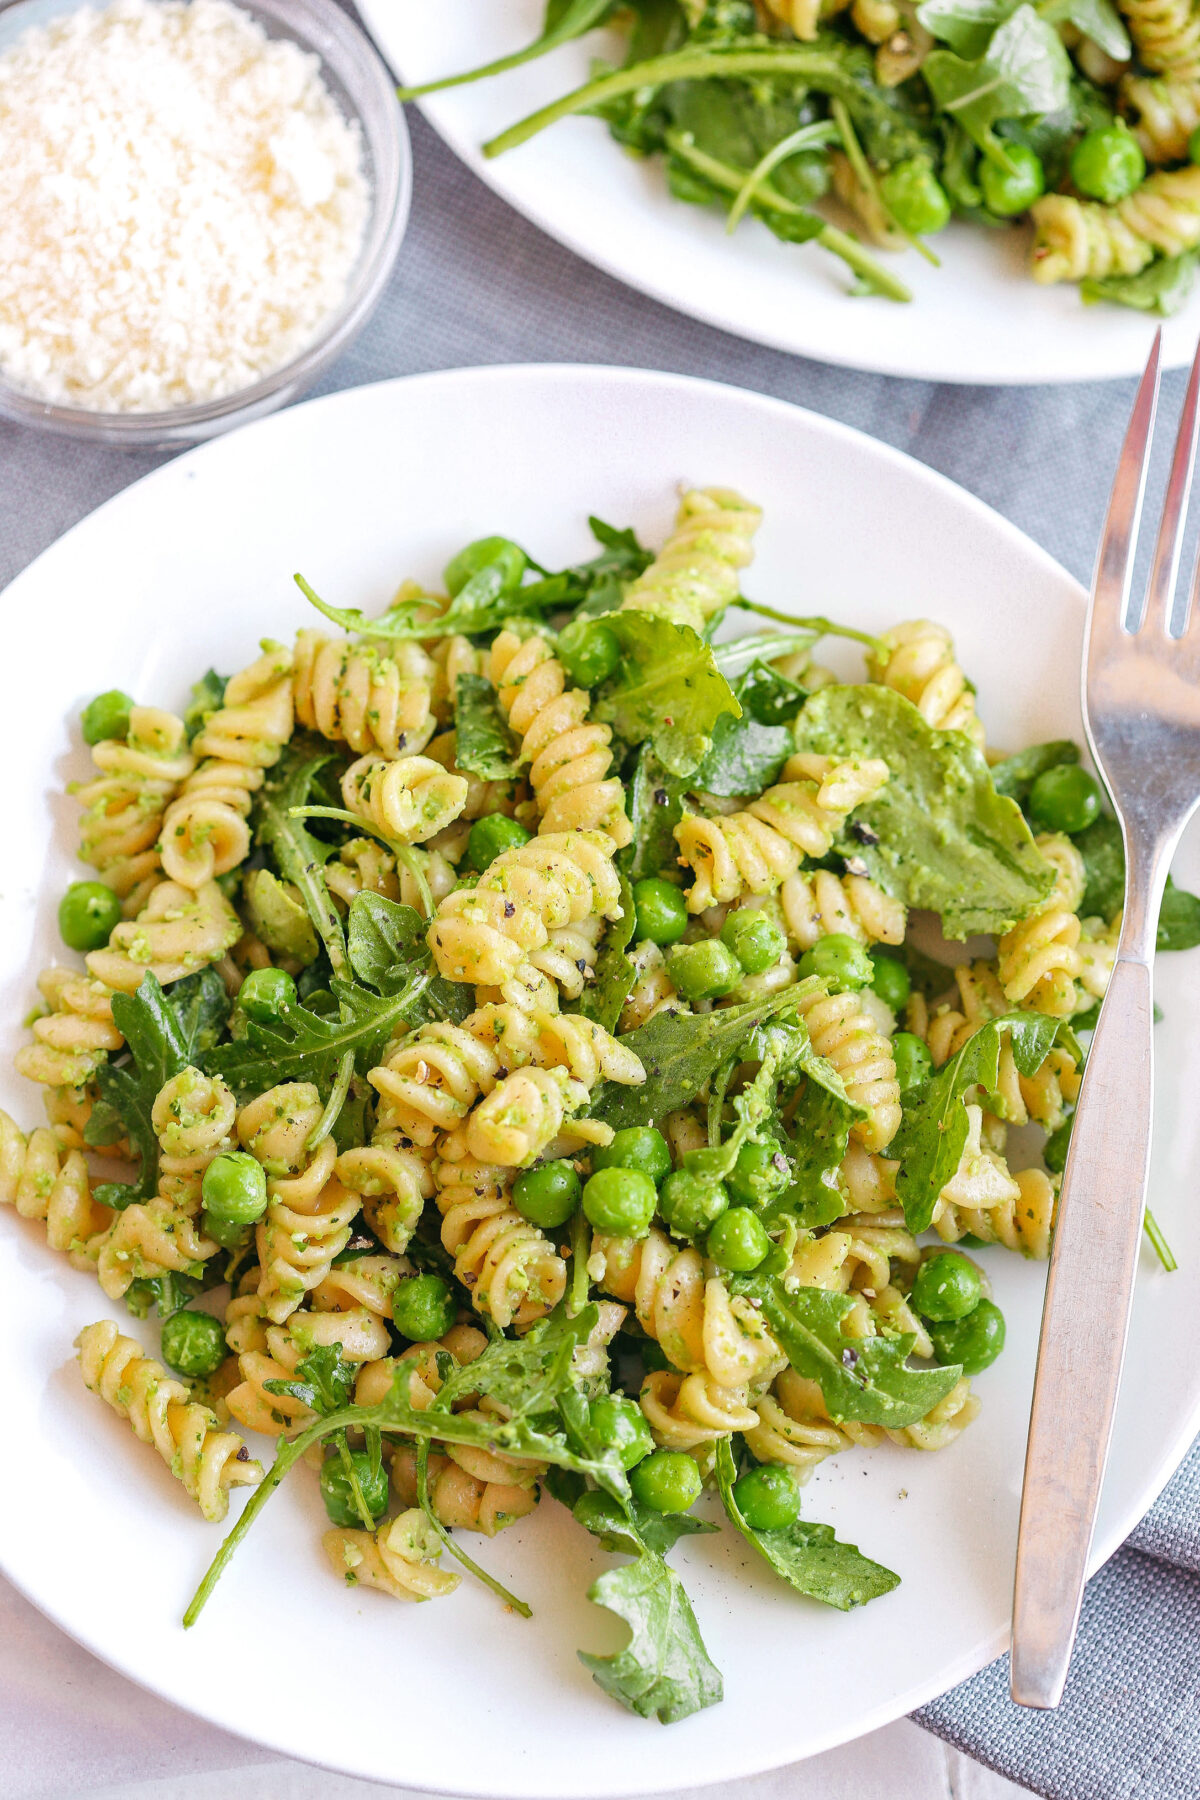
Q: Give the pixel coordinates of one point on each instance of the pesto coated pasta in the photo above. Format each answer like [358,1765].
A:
[503,1071]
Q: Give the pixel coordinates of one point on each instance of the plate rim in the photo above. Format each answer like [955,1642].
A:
[615,377]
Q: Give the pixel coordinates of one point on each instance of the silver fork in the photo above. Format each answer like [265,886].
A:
[1141,708]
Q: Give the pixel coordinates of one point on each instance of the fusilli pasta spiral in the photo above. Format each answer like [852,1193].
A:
[1167,110]
[1024,1221]
[394,1183]
[178,931]
[1038,960]
[44,1182]
[686,1411]
[309,1211]
[469,1489]
[75,1036]
[510,1268]
[149,1238]
[814,904]
[208,1462]
[1076,238]
[845,1036]
[921,665]
[408,799]
[1166,34]
[355,694]
[399,1559]
[193,1118]
[125,802]
[696,573]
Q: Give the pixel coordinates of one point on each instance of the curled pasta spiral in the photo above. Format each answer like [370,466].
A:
[1023,1221]
[123,805]
[1166,34]
[555,1040]
[816,903]
[364,866]
[943,1422]
[75,1036]
[483,797]
[177,932]
[947,1028]
[700,1327]
[394,1183]
[510,1268]
[1167,112]
[696,573]
[205,832]
[844,1035]
[921,665]
[399,1559]
[653,991]
[868,1182]
[366,1283]
[453,656]
[486,934]
[309,1211]
[789,1430]
[753,851]
[981,1181]
[1045,1096]
[68,1110]
[568,753]
[858,1261]
[686,1411]
[1076,238]
[469,1489]
[208,1462]
[569,956]
[409,799]
[1038,960]
[149,1238]
[465,1344]
[358,1330]
[1097,956]
[522,1115]
[433,1078]
[193,1117]
[353,694]
[45,1182]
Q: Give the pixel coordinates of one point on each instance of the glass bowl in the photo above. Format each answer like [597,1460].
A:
[363,89]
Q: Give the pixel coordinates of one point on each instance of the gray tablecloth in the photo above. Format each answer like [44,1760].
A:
[476,284]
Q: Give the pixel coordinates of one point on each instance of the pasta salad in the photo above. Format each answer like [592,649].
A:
[513,1056]
[1080,116]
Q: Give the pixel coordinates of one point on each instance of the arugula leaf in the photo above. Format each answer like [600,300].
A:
[628,1526]
[665,1670]
[1015,776]
[680,1052]
[967,25]
[1025,71]
[324,1380]
[1164,286]
[1096,19]
[734,659]
[298,855]
[809,1557]
[860,1378]
[1179,919]
[929,978]
[163,1035]
[170,1293]
[483,742]
[598,586]
[387,948]
[615,975]
[564,20]
[277,917]
[934,1126]
[945,840]
[667,692]
[1103,853]
[819,1135]
[655,808]
[205,698]
[749,751]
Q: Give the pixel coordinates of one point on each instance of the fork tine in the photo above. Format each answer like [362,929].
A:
[1118,542]
[1165,573]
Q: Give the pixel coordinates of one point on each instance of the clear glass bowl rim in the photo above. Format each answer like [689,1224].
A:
[346,52]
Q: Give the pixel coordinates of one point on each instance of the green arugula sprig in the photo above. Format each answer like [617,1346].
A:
[484,744]
[614,974]
[277,824]
[324,1383]
[667,691]
[809,1557]
[565,19]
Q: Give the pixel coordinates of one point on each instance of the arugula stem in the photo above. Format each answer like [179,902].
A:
[577,19]
[402,852]
[808,137]
[580,1247]
[456,1551]
[820,626]
[288,1454]
[410,857]
[1165,1254]
[866,178]
[334,1104]
[351,1474]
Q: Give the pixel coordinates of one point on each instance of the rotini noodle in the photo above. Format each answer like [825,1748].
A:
[1038,960]
[177,932]
[193,1118]
[75,1036]
[409,799]
[354,694]
[399,1559]
[511,1269]
[686,1411]
[42,1181]
[843,1034]
[921,665]
[696,574]
[309,1211]
[137,778]
[815,904]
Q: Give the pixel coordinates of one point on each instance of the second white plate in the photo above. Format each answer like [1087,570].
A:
[978,318]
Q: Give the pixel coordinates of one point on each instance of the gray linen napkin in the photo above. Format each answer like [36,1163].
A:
[476,284]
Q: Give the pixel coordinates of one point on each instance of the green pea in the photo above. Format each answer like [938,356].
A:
[423,1308]
[915,197]
[913,1061]
[234,1188]
[946,1286]
[225,1232]
[840,960]
[490,837]
[704,971]
[975,1341]
[482,554]
[690,1203]
[193,1342]
[890,980]
[662,914]
[636,1147]
[1012,189]
[338,1495]
[666,1482]
[107,716]
[620,1202]
[761,1171]
[738,1241]
[620,1425]
[87,913]
[266,994]
[1065,799]
[1107,164]
[755,939]
[589,652]
[547,1196]
[768,1498]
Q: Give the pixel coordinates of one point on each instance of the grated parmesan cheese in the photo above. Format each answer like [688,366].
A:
[181,205]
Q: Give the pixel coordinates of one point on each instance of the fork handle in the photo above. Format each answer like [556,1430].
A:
[1085,1324]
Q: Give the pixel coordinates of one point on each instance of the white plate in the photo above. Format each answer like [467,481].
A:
[189,568]
[979,318]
